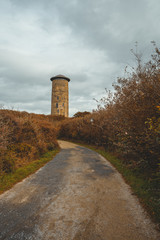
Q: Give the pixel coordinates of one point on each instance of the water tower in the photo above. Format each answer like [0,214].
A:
[60,99]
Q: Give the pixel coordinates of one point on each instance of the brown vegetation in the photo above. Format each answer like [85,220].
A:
[81,114]
[25,137]
[127,125]
[128,121]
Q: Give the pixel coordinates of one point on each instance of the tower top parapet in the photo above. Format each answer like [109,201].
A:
[60,77]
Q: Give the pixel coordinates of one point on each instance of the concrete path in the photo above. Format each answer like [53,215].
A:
[76,196]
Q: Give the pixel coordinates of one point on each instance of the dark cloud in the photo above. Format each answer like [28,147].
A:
[88,41]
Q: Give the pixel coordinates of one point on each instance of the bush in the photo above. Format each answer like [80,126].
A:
[24,138]
[126,122]
[7,163]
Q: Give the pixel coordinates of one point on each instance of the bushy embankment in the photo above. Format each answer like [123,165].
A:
[127,123]
[24,138]
[129,120]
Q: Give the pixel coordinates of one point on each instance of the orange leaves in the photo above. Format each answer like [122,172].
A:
[128,120]
[24,137]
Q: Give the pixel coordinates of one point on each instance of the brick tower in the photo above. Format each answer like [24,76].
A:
[60,102]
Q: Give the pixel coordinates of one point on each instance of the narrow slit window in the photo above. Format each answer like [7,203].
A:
[56,105]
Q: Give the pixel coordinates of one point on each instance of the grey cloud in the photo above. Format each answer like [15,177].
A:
[87,40]
[112,26]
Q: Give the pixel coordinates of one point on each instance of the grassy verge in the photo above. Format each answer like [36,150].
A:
[144,188]
[8,180]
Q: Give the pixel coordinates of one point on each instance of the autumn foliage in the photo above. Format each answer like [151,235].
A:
[24,137]
[127,121]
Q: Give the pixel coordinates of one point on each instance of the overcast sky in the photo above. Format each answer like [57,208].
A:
[88,41]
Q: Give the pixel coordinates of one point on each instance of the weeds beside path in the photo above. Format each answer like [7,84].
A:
[8,180]
[145,189]
[78,195]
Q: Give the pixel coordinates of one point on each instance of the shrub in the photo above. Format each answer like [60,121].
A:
[7,162]
[24,137]
[127,121]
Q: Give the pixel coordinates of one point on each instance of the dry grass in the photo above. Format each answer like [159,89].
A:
[24,138]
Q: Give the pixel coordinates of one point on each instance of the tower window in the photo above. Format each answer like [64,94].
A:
[57,97]
[63,104]
[56,105]
[58,111]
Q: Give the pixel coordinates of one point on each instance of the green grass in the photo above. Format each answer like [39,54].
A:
[143,187]
[8,180]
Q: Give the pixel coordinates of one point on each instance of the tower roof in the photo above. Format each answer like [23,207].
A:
[60,77]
